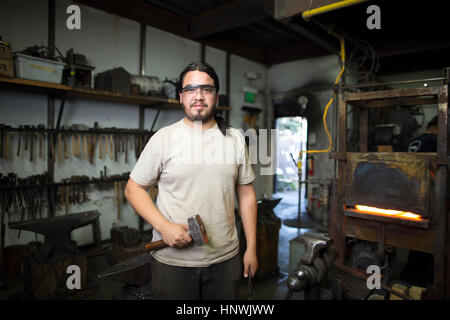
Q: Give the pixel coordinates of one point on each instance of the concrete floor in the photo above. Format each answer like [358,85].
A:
[273,289]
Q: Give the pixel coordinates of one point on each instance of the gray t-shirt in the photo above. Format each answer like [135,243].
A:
[196,172]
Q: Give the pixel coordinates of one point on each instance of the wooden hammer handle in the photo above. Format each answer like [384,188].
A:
[155,245]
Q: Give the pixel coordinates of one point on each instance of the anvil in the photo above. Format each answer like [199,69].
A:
[57,233]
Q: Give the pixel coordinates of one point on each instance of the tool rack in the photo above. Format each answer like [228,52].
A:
[64,92]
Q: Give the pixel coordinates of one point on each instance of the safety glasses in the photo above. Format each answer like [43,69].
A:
[205,89]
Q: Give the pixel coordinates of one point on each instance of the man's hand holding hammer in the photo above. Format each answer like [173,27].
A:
[174,234]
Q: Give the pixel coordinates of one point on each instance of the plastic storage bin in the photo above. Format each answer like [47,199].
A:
[33,68]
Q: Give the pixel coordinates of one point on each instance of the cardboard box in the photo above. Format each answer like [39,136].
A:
[6,68]
[5,51]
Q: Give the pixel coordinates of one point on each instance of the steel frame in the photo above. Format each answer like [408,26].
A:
[434,239]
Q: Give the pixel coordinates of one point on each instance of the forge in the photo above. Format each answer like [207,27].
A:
[393,199]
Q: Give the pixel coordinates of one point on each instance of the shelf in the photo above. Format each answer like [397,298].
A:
[97,181]
[61,90]
[88,130]
[33,86]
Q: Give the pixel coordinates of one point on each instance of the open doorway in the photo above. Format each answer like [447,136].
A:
[291,139]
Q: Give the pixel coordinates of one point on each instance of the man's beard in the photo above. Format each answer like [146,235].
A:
[198,116]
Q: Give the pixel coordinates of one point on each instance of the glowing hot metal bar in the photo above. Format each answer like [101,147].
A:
[389,212]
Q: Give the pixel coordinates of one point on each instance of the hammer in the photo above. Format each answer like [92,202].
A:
[196,230]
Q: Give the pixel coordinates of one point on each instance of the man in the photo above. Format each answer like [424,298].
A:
[188,187]
[426,142]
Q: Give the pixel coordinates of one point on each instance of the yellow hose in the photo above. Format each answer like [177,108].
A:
[331,7]
[342,54]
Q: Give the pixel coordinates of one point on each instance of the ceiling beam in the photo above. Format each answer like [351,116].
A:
[316,38]
[164,20]
[232,15]
[142,12]
[239,48]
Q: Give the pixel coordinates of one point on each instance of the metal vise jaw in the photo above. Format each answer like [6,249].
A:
[314,266]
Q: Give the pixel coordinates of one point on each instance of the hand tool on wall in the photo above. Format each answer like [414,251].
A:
[78,145]
[106,144]
[28,198]
[19,141]
[41,140]
[4,143]
[74,143]
[31,135]
[122,143]
[93,143]
[78,200]
[196,230]
[82,193]
[58,146]
[42,179]
[116,147]
[26,134]
[95,138]
[89,143]
[85,146]
[51,140]
[65,147]
[76,149]
[22,201]
[100,146]
[20,204]
[111,147]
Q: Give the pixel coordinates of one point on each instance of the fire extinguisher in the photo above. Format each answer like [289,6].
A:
[310,166]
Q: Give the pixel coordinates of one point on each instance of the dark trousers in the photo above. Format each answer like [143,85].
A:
[217,282]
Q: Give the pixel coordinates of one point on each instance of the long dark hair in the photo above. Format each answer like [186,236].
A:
[204,67]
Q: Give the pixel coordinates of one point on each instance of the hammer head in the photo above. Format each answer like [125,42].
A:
[197,230]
